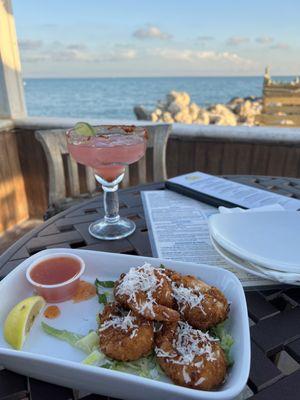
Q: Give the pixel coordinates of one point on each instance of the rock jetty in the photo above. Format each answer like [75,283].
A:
[177,107]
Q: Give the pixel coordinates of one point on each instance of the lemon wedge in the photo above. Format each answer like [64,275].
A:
[20,319]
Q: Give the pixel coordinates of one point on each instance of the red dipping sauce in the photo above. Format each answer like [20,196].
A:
[55,270]
[56,277]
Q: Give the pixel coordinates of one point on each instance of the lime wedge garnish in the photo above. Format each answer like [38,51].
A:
[20,319]
[84,129]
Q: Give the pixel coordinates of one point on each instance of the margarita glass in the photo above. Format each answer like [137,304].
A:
[108,150]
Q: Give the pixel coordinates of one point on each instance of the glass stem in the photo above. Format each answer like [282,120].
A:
[111,204]
[110,198]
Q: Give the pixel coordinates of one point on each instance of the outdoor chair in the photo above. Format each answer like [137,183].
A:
[70,182]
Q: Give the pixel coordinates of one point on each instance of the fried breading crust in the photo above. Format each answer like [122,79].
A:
[214,307]
[162,309]
[202,373]
[124,344]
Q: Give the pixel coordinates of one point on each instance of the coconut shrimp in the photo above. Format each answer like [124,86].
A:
[147,291]
[124,336]
[190,357]
[201,305]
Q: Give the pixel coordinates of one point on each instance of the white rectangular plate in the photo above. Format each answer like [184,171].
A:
[46,358]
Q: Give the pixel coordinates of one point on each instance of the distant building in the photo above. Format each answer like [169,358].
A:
[281,102]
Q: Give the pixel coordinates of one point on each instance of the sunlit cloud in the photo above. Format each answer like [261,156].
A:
[237,40]
[151,32]
[193,56]
[122,55]
[264,40]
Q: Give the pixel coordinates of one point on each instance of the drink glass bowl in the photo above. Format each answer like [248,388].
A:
[108,152]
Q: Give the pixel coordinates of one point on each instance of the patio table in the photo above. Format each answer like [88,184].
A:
[274,314]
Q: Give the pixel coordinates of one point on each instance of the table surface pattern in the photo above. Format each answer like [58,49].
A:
[274,314]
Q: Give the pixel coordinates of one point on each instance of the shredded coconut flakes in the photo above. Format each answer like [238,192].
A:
[189,344]
[125,323]
[187,296]
[146,279]
[200,380]
[186,375]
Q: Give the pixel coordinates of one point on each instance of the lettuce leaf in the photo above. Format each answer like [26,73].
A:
[145,367]
[86,343]
[105,284]
[62,334]
[104,297]
[94,358]
[226,340]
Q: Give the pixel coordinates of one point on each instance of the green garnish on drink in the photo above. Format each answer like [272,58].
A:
[84,129]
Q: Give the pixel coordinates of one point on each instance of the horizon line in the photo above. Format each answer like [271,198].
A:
[151,77]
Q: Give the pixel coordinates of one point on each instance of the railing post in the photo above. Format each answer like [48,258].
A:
[12,103]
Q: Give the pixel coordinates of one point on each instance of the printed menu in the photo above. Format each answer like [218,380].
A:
[220,191]
[178,230]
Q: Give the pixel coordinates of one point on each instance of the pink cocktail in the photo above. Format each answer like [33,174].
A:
[108,152]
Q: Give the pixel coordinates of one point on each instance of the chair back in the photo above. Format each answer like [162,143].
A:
[69,179]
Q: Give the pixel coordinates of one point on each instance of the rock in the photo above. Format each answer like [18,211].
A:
[154,117]
[194,110]
[247,111]
[167,117]
[177,107]
[181,98]
[174,108]
[141,113]
[162,105]
[183,116]
[202,118]
[234,102]
[253,98]
[221,115]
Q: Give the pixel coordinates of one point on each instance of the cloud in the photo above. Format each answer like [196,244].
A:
[68,53]
[237,40]
[193,56]
[34,58]
[205,38]
[264,40]
[151,32]
[57,56]
[28,44]
[121,55]
[280,46]
[77,46]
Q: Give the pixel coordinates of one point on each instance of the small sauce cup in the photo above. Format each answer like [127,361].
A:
[56,277]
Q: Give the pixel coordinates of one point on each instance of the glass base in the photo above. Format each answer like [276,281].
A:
[101,229]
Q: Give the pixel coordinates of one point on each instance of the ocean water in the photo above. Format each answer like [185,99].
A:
[116,97]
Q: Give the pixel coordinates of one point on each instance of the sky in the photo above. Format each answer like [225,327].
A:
[126,38]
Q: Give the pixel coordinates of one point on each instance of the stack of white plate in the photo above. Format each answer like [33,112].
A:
[266,244]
